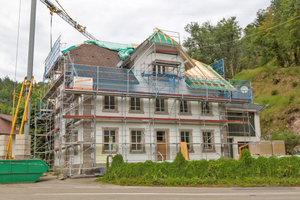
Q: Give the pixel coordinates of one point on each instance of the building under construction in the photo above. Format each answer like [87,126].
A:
[140,101]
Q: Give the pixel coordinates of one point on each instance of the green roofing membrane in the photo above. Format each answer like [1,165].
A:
[161,38]
[68,49]
[124,50]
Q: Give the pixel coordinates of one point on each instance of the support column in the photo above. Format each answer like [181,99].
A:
[30,62]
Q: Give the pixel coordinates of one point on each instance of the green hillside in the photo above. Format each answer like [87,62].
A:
[280,89]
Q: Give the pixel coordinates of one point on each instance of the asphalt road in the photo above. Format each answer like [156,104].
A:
[85,189]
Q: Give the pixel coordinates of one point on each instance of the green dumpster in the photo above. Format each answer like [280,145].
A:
[21,171]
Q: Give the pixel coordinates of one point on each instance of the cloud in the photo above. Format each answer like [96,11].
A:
[130,21]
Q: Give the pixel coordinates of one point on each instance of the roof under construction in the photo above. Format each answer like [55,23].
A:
[93,55]
[197,76]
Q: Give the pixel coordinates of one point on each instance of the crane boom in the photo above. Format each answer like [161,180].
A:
[62,13]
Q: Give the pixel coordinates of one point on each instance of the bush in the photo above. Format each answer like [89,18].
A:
[274,92]
[290,140]
[294,84]
[244,172]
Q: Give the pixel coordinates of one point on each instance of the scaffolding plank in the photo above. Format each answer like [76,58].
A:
[184,150]
[150,119]
[167,52]
[53,87]
[166,63]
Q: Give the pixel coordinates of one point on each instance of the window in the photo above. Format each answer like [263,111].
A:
[208,141]
[110,103]
[135,104]
[110,139]
[136,141]
[241,129]
[184,107]
[159,69]
[186,136]
[205,107]
[161,106]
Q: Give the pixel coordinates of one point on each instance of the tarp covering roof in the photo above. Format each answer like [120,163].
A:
[124,50]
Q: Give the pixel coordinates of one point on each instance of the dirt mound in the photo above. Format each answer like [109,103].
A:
[293,122]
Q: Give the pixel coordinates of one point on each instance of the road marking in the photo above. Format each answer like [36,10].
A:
[173,194]
[264,189]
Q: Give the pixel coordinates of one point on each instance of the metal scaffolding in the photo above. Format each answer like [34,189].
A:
[71,120]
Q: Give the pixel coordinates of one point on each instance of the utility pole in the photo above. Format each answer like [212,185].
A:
[30,62]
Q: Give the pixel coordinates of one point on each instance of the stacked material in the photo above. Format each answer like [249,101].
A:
[270,148]
[3,145]
[22,146]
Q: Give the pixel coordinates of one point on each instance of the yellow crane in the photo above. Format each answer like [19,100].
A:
[15,113]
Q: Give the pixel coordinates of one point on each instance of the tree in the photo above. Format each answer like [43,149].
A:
[278,38]
[6,94]
[209,43]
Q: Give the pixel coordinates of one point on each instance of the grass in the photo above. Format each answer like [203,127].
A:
[277,88]
[248,75]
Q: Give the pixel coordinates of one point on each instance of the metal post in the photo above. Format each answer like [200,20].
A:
[30,62]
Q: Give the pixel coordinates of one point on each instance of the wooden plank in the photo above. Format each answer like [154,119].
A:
[184,150]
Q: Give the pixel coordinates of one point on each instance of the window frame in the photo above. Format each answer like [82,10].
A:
[212,150]
[142,141]
[210,111]
[116,139]
[189,110]
[115,102]
[165,106]
[141,106]
[190,131]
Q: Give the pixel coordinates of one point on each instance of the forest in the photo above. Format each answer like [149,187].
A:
[6,97]
[273,39]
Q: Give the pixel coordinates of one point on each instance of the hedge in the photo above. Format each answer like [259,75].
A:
[246,171]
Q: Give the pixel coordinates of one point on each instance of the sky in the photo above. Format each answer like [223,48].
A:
[127,22]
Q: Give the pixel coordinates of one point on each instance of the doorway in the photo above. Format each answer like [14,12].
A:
[230,147]
[161,147]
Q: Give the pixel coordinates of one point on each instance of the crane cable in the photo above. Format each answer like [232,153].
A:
[17,50]
[51,14]
[79,27]
[62,8]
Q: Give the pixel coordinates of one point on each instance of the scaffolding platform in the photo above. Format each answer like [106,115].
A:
[53,87]
[166,63]
[163,51]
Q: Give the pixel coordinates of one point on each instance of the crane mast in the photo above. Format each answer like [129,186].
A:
[64,15]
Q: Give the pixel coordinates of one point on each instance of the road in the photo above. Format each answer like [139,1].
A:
[85,188]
